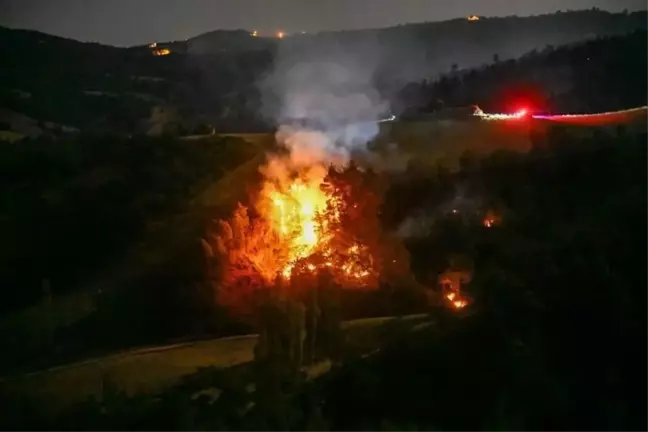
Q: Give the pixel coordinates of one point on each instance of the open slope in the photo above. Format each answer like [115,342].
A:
[152,369]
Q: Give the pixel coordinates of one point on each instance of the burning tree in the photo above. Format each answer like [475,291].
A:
[314,230]
[303,229]
[242,255]
[363,253]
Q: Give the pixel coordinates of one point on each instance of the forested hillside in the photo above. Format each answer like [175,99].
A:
[599,75]
[213,79]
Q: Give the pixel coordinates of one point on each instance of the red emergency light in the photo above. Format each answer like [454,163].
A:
[522,112]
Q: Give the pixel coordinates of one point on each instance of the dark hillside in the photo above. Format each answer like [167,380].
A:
[599,75]
[213,78]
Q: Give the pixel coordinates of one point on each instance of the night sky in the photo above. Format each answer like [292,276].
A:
[131,22]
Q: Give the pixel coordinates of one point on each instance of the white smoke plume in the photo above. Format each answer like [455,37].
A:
[329,88]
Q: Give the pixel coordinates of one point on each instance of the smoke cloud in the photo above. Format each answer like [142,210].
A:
[331,90]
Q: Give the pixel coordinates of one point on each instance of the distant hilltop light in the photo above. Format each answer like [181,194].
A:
[280,34]
[254,33]
[473,18]
[153,45]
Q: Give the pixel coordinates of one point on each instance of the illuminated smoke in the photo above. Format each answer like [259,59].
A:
[333,93]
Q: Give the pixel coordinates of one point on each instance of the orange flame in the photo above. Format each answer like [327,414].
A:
[301,214]
[292,216]
[294,213]
[455,300]
[459,304]
[297,230]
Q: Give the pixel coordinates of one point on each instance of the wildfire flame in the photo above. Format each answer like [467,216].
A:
[301,213]
[459,304]
[455,300]
[314,219]
[293,217]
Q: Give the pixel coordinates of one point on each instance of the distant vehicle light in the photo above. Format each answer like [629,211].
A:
[517,115]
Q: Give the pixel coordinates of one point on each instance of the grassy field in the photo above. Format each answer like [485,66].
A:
[232,187]
[446,141]
[150,370]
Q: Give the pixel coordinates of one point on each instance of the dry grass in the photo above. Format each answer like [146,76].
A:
[151,370]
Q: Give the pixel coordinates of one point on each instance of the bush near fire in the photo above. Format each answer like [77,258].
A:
[301,232]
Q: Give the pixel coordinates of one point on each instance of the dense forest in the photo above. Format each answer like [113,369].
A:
[604,74]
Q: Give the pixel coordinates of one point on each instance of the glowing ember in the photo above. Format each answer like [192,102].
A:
[459,304]
[490,220]
[455,300]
